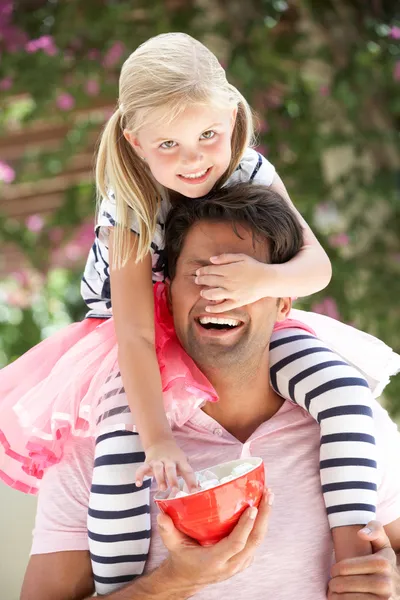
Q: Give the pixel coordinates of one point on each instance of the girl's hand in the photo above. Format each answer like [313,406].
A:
[234,280]
[166,461]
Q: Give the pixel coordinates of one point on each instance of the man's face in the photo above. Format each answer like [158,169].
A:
[228,339]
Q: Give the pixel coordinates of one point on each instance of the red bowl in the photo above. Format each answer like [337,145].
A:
[210,515]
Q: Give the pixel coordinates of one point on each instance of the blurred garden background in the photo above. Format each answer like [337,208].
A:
[323,78]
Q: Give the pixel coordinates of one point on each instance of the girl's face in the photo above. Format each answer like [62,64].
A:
[192,152]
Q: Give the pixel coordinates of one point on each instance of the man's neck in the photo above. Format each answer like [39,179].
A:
[246,399]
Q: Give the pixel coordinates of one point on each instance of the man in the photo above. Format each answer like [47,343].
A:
[293,560]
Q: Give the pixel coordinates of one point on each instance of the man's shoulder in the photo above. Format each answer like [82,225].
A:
[384,424]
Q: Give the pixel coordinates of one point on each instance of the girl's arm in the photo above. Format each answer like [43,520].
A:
[133,311]
[310,270]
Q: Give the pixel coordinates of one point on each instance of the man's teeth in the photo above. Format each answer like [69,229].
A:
[219,321]
[195,175]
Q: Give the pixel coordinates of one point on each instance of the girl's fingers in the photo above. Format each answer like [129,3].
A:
[224,306]
[215,270]
[187,473]
[215,294]
[209,280]
[141,474]
[170,472]
[226,258]
[159,475]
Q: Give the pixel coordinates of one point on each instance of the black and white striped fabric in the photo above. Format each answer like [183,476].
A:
[304,371]
[119,512]
[95,285]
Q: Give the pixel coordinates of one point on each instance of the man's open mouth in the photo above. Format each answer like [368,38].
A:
[219,323]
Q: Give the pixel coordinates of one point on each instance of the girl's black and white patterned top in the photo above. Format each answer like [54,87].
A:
[95,286]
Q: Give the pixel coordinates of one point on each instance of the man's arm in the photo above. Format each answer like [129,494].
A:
[68,576]
[61,575]
[188,568]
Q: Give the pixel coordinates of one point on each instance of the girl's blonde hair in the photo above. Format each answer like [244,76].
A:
[169,72]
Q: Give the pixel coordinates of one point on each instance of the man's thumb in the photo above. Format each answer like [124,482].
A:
[376,535]
[168,532]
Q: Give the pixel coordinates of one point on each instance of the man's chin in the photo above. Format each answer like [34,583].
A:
[212,353]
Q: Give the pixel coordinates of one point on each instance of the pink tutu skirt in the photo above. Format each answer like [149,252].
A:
[52,391]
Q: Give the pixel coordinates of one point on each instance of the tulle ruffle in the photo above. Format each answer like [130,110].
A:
[53,392]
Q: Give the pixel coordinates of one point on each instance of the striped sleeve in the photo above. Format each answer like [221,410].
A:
[254,167]
[107,217]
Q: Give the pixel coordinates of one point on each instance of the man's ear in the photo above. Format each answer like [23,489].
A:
[284,308]
[134,142]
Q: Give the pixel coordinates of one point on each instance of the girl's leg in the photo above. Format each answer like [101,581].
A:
[119,524]
[305,371]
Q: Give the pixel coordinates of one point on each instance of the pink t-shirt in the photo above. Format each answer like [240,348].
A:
[296,555]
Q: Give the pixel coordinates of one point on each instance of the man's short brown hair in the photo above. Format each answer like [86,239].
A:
[264,212]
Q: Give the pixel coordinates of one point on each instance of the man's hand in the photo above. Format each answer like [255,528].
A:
[195,566]
[373,577]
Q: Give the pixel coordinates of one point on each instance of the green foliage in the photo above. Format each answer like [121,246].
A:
[323,78]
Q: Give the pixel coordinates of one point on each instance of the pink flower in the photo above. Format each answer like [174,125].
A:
[395,33]
[56,235]
[21,277]
[65,101]
[396,71]
[74,252]
[92,87]
[262,149]
[45,43]
[6,83]
[34,223]
[327,307]
[324,90]
[113,55]
[339,240]
[263,126]
[93,54]
[7,173]
[18,299]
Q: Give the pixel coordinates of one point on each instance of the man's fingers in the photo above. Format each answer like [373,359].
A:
[365,565]
[236,541]
[380,585]
[334,596]
[171,536]
[375,533]
[260,528]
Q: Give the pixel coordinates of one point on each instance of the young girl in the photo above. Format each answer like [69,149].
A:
[180,129]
